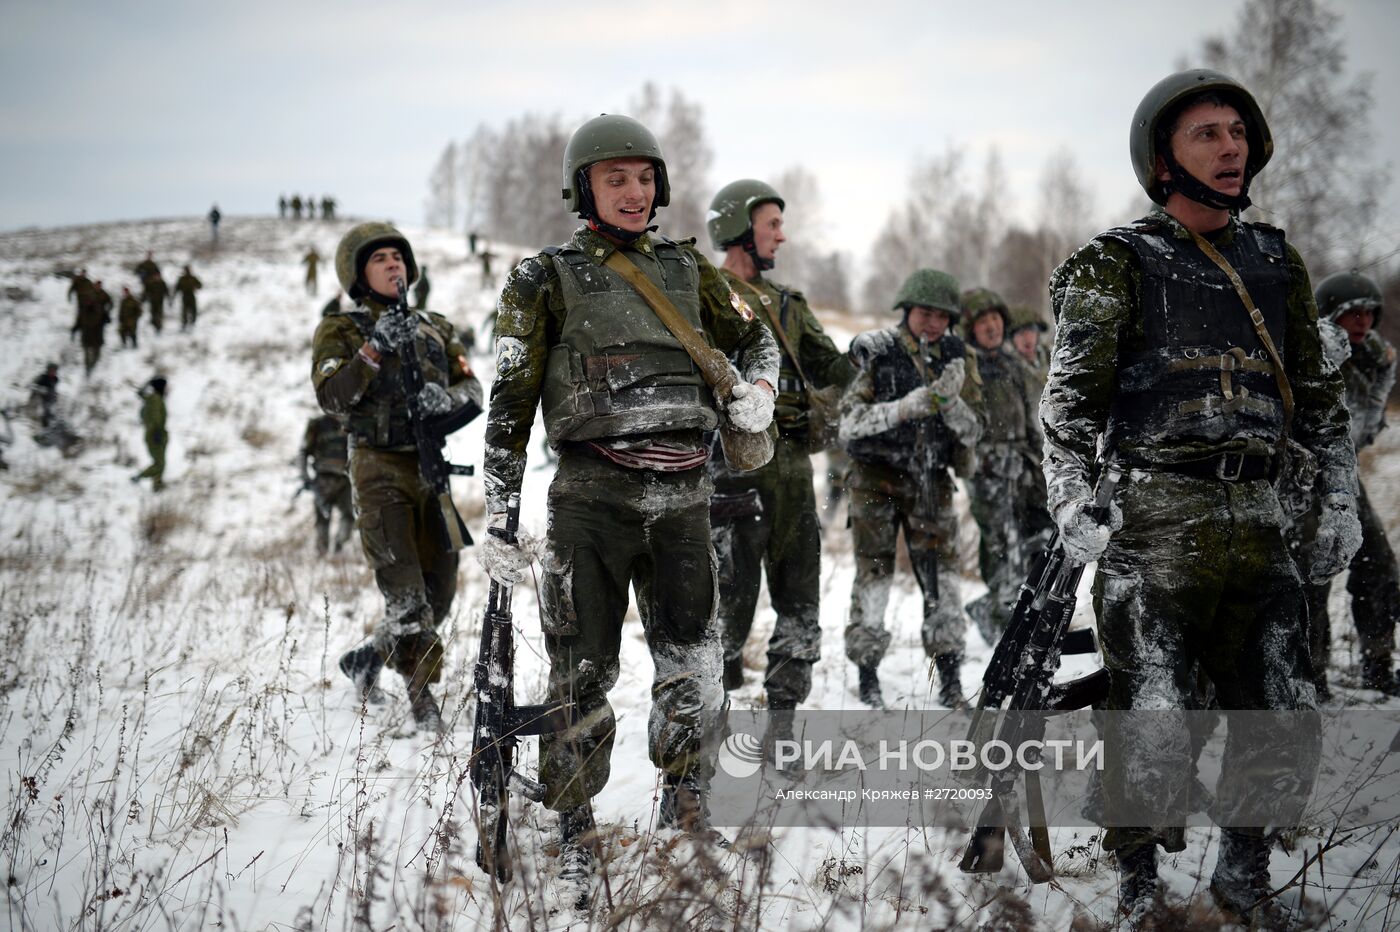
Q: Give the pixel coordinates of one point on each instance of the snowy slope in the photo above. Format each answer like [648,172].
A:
[179,750]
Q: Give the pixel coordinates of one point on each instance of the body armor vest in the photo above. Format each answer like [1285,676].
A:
[616,370]
[894,373]
[380,417]
[1203,374]
[1003,396]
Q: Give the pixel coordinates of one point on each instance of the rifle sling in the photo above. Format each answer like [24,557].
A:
[778,331]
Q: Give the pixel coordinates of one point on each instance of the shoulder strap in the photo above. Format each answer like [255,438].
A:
[1284,389]
[711,362]
[778,329]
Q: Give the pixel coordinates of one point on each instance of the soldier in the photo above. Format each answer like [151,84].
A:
[1157,356]
[1353,302]
[312,261]
[94,314]
[128,315]
[214,217]
[296,206]
[187,285]
[1007,492]
[487,279]
[43,393]
[629,502]
[154,290]
[905,417]
[1027,332]
[775,527]
[471,242]
[147,269]
[153,420]
[79,288]
[420,290]
[355,371]
[324,455]
[282,206]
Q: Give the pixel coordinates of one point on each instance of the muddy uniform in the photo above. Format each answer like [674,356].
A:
[325,448]
[629,505]
[1007,492]
[900,477]
[128,316]
[187,285]
[400,521]
[783,540]
[1199,572]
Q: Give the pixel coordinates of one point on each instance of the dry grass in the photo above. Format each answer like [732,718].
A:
[162,519]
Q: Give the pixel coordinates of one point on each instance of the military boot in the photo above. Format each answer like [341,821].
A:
[684,807]
[426,714]
[869,686]
[1241,881]
[950,691]
[1376,673]
[362,666]
[733,672]
[577,835]
[1137,884]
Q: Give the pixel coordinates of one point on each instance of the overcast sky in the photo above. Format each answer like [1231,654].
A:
[121,110]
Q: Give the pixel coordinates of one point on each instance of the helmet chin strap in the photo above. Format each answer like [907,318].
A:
[746,241]
[588,212]
[1189,186]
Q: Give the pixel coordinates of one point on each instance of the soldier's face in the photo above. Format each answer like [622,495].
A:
[1026,341]
[768,235]
[383,270]
[623,191]
[1210,143]
[1357,322]
[928,322]
[988,330]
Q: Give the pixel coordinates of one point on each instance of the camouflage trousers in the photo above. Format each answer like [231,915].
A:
[876,519]
[611,528]
[157,313]
[155,445]
[332,494]
[1014,525]
[128,335]
[1374,586]
[1218,593]
[406,543]
[188,312]
[783,543]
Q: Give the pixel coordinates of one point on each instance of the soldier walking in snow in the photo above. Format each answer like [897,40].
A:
[1157,355]
[356,359]
[94,314]
[911,414]
[629,505]
[296,206]
[154,289]
[214,217]
[312,261]
[128,316]
[487,279]
[324,458]
[187,285]
[766,519]
[153,421]
[282,207]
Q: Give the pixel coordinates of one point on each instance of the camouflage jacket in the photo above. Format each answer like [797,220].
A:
[156,289]
[529,319]
[129,312]
[153,416]
[1095,298]
[1011,437]
[1369,375]
[146,270]
[187,286]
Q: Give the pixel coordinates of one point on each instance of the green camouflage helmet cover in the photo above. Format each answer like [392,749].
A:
[978,301]
[612,136]
[1347,291]
[930,288]
[731,210]
[1023,316]
[355,247]
[1164,99]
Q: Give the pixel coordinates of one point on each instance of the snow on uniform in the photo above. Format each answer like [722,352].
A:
[1199,572]
[326,446]
[888,463]
[784,540]
[400,521]
[629,503]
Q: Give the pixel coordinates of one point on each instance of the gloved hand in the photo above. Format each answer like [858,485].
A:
[435,399]
[1338,537]
[1083,538]
[392,331]
[950,381]
[750,407]
[962,421]
[921,402]
[504,562]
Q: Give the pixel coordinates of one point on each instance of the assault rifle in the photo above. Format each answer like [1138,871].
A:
[430,432]
[500,723]
[1022,668]
[925,507]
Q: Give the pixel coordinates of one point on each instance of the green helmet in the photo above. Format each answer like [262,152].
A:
[978,301]
[930,288]
[612,136]
[1164,99]
[731,211]
[1347,291]
[1023,316]
[354,249]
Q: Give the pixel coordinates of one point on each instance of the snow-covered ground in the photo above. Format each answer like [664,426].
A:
[179,750]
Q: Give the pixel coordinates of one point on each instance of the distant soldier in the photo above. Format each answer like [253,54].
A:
[187,285]
[1353,302]
[156,292]
[325,208]
[102,298]
[907,418]
[147,270]
[487,280]
[282,207]
[128,316]
[330,208]
[471,242]
[80,288]
[420,290]
[333,305]
[1007,492]
[94,313]
[296,206]
[214,218]
[153,420]
[312,261]
[43,394]
[310,203]
[1027,334]
[324,457]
